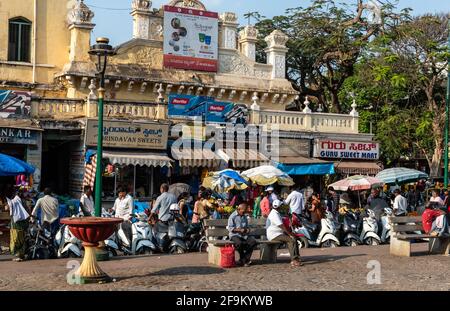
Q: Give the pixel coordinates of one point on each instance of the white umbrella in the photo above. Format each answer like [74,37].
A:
[267,175]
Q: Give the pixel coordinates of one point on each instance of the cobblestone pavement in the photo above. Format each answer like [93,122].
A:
[343,268]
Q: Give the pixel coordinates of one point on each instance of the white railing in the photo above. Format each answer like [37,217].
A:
[300,121]
[57,109]
[131,110]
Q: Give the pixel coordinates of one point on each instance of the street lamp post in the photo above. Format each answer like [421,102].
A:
[447,103]
[102,50]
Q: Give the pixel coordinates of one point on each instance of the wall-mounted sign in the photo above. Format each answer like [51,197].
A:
[339,149]
[15,103]
[191,39]
[203,108]
[19,136]
[125,134]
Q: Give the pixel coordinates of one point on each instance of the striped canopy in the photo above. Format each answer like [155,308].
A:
[400,175]
[357,182]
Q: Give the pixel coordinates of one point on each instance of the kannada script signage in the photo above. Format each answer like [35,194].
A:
[191,39]
[339,149]
[124,134]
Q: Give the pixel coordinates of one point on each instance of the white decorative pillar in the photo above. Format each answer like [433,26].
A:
[91,107]
[228,30]
[255,110]
[80,27]
[355,119]
[247,41]
[308,116]
[141,18]
[276,53]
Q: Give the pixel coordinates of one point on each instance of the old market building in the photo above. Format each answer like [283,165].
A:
[45,62]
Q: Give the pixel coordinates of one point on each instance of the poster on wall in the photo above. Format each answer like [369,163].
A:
[191,39]
[14,104]
[225,112]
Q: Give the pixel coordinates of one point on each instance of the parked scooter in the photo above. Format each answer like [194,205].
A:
[323,235]
[350,228]
[195,238]
[369,233]
[292,224]
[142,236]
[118,241]
[67,245]
[177,231]
[386,225]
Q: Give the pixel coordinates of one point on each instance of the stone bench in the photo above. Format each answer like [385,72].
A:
[217,237]
[405,229]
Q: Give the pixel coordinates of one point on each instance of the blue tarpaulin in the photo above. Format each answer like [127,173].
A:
[307,169]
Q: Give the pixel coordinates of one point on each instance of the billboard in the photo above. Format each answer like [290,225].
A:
[340,149]
[15,104]
[125,134]
[191,39]
[203,108]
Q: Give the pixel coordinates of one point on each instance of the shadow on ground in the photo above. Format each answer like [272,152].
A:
[189,270]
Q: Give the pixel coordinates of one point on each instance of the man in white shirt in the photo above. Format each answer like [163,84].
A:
[436,198]
[400,204]
[87,202]
[295,202]
[49,210]
[123,207]
[276,231]
[272,195]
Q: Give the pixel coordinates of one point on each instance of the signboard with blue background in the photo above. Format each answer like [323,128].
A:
[205,108]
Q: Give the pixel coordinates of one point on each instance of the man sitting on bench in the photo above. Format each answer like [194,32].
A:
[434,220]
[239,230]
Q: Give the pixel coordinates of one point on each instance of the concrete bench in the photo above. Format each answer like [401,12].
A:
[405,230]
[217,237]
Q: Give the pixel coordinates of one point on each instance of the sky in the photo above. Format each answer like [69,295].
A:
[113,19]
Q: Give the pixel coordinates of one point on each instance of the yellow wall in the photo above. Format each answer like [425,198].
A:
[52,39]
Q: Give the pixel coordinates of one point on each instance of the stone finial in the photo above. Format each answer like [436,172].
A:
[255,99]
[141,5]
[229,17]
[276,39]
[249,32]
[80,14]
[247,39]
[354,113]
[320,109]
[92,89]
[193,4]
[307,109]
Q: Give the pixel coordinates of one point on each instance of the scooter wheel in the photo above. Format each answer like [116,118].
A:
[203,247]
[112,252]
[177,250]
[42,253]
[351,243]
[372,241]
[302,243]
[147,251]
[329,244]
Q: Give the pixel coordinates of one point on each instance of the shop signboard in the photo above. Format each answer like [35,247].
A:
[340,149]
[14,103]
[191,39]
[22,136]
[126,134]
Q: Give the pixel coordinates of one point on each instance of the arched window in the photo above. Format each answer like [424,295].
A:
[19,42]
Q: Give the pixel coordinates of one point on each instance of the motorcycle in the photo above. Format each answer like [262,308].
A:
[386,225]
[369,233]
[323,235]
[40,243]
[118,241]
[176,231]
[195,238]
[67,245]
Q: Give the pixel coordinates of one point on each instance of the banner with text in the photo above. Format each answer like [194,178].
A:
[191,39]
[125,134]
[339,149]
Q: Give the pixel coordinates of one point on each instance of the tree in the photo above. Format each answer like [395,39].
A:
[326,41]
[404,73]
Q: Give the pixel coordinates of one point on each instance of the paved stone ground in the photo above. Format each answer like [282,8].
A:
[343,268]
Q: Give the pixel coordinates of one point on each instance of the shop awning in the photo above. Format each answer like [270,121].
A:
[305,166]
[243,158]
[197,158]
[137,158]
[357,168]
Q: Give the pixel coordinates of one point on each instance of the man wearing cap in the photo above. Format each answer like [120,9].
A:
[272,194]
[276,231]
[400,204]
[239,230]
